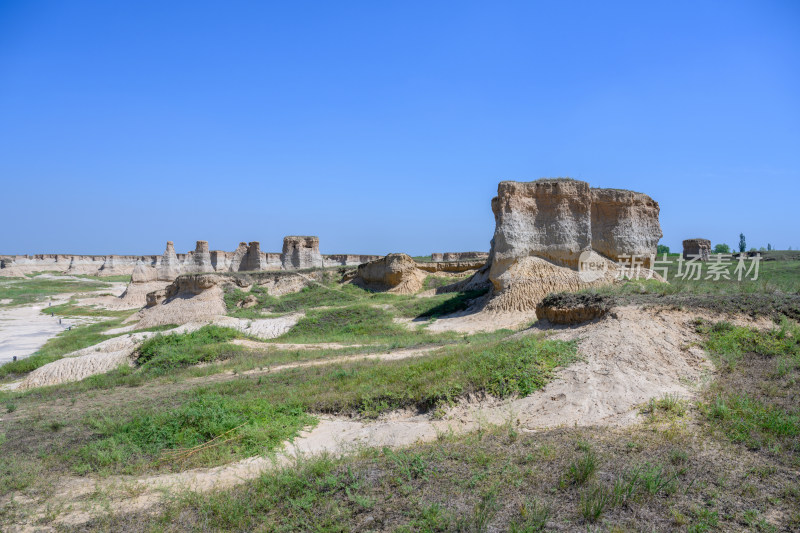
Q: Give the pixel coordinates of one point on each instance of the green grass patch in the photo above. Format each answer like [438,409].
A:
[163,353]
[755,423]
[208,428]
[108,279]
[436,306]
[30,290]
[272,407]
[345,324]
[332,294]
[756,400]
[72,308]
[500,368]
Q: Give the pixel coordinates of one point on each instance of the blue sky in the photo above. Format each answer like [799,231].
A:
[386,126]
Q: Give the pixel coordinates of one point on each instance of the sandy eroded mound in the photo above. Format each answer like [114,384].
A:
[395,273]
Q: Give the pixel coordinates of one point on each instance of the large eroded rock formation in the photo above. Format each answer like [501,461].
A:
[169,267]
[254,259]
[545,228]
[200,260]
[397,273]
[550,219]
[300,251]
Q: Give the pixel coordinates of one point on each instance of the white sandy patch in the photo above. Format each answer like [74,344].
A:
[473,322]
[263,328]
[25,329]
[256,345]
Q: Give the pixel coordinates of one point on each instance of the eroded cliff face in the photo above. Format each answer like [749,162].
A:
[624,223]
[300,251]
[544,228]
[200,260]
[548,218]
[254,259]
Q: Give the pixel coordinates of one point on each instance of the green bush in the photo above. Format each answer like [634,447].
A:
[722,249]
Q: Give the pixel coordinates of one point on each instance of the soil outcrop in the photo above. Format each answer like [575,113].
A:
[567,308]
[452,266]
[459,256]
[396,273]
[143,273]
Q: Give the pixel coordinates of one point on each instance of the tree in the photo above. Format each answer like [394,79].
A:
[661,249]
[742,243]
[769,247]
[722,249]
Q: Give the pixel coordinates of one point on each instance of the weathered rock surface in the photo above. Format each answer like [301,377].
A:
[143,273]
[238,257]
[452,266]
[300,252]
[169,267]
[548,218]
[200,260]
[396,273]
[697,248]
[347,259]
[545,228]
[460,256]
[624,223]
[253,259]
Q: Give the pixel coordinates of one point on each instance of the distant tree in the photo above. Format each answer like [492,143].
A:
[790,248]
[762,249]
[769,247]
[742,243]
[661,249]
[722,249]
[753,250]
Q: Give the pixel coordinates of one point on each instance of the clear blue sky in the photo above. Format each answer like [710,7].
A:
[386,126]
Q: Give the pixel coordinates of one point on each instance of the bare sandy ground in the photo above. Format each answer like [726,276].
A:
[24,329]
[111,353]
[472,322]
[628,358]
